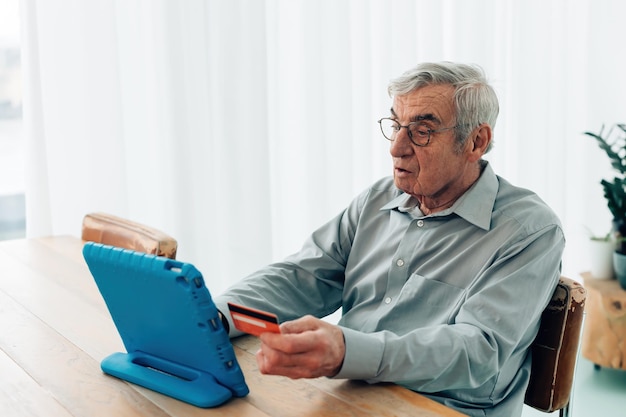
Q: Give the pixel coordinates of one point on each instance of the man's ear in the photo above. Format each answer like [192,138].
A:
[479,139]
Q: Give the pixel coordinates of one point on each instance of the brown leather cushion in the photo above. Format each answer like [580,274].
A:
[116,231]
[555,348]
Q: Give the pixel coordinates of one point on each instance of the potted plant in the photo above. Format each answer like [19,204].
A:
[613,143]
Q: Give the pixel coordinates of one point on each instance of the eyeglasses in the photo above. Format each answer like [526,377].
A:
[419,134]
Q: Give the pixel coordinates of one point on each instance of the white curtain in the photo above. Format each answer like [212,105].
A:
[240,126]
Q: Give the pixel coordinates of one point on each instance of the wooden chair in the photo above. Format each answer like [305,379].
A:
[555,350]
[116,231]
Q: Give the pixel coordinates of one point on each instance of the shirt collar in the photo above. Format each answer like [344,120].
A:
[475,206]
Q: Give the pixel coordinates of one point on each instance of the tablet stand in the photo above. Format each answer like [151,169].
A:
[181,382]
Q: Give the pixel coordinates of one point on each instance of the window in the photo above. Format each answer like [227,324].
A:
[12,205]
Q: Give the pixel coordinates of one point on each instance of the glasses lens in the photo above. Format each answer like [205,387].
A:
[420,135]
[389,128]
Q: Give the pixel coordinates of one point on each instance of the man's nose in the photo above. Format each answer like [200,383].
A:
[401,145]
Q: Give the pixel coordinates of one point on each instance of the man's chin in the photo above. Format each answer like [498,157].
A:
[401,185]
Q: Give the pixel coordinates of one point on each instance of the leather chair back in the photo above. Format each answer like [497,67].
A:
[555,349]
[116,231]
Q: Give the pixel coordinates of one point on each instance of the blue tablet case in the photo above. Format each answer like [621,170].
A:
[175,341]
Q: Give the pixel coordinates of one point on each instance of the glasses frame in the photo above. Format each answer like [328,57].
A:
[408,130]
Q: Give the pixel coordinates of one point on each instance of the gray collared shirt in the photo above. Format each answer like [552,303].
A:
[445,304]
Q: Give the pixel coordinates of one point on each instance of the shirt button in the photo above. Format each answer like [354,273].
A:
[387,300]
[420,223]
[400,262]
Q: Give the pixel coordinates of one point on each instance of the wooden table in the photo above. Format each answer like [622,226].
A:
[55,329]
[604,335]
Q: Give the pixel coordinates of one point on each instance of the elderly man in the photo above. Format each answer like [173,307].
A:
[441,272]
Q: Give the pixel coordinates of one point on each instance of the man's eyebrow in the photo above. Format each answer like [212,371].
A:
[420,117]
[429,117]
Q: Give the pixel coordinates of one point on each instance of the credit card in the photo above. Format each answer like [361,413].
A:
[253,321]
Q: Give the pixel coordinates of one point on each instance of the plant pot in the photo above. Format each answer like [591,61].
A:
[619,231]
[619,265]
[601,254]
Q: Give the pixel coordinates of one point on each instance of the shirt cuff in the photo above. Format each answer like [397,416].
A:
[364,352]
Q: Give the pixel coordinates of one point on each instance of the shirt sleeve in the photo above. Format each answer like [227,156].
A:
[307,282]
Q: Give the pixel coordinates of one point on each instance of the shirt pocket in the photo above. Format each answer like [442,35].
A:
[430,301]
